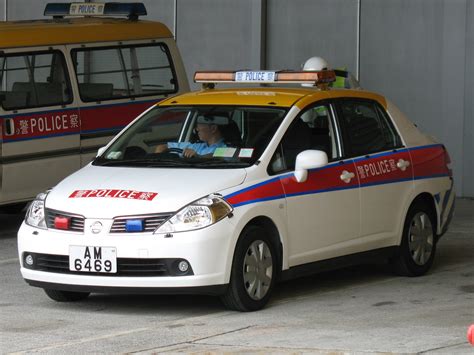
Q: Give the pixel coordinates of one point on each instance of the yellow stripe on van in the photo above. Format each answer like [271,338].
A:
[16,34]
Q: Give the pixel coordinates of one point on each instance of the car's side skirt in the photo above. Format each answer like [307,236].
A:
[371,256]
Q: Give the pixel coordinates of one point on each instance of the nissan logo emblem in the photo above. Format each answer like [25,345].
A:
[96,227]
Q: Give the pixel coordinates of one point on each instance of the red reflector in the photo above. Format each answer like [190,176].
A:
[447,161]
[61,222]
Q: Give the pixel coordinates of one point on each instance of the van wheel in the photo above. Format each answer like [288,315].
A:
[66,296]
[253,271]
[418,246]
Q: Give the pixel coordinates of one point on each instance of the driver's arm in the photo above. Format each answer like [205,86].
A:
[161,148]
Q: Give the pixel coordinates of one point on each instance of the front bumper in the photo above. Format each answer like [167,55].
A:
[216,290]
[208,251]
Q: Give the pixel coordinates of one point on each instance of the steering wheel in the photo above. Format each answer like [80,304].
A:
[175,150]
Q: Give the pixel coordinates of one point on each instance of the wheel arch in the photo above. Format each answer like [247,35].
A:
[270,227]
[427,199]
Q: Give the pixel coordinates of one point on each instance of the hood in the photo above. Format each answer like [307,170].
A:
[107,192]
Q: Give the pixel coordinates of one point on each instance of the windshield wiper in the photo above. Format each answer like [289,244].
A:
[167,162]
[219,163]
[142,162]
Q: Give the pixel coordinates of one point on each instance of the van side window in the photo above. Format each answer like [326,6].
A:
[366,129]
[33,80]
[124,72]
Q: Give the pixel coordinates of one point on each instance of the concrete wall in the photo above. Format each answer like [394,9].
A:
[327,28]
[468,141]
[415,53]
[420,54]
[25,9]
[215,34]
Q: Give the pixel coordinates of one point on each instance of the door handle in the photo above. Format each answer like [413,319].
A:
[347,176]
[403,164]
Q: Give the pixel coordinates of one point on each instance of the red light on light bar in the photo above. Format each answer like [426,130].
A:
[318,77]
[61,222]
[209,76]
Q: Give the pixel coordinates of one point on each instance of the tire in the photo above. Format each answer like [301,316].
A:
[66,296]
[418,246]
[19,208]
[249,290]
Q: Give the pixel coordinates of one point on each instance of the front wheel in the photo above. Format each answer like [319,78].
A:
[418,246]
[66,296]
[254,271]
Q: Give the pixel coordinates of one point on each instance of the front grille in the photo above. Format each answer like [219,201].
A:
[76,222]
[125,266]
[150,222]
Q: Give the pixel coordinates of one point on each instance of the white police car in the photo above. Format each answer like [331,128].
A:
[299,179]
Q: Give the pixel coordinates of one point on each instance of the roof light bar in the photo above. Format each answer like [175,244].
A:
[130,10]
[266,77]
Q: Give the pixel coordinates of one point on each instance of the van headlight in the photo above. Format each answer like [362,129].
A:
[197,215]
[35,216]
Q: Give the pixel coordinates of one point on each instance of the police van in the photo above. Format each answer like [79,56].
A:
[70,83]
[292,180]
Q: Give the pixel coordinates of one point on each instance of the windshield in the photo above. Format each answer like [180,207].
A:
[195,136]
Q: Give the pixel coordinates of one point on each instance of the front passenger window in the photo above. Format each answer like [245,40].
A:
[312,129]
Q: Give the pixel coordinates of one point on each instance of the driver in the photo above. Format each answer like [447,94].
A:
[209,133]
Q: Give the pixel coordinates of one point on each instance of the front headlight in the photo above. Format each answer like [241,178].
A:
[197,215]
[35,216]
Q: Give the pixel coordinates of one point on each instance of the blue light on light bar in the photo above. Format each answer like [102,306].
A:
[130,10]
[134,225]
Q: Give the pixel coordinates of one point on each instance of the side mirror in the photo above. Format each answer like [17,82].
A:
[100,151]
[309,159]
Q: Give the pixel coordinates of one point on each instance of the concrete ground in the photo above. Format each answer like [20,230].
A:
[359,310]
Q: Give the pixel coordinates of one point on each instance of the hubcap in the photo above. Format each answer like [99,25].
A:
[258,270]
[420,238]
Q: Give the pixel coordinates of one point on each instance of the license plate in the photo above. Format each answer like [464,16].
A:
[92,259]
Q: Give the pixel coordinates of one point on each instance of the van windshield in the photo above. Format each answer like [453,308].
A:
[195,136]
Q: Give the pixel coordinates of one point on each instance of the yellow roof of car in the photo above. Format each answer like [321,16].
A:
[267,96]
[77,30]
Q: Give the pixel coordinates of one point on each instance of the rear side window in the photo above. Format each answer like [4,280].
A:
[367,128]
[33,80]
[124,72]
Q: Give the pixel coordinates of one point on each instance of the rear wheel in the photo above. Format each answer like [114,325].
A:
[418,247]
[66,296]
[254,271]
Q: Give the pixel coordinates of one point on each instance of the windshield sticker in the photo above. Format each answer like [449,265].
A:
[224,152]
[106,193]
[246,153]
[114,155]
